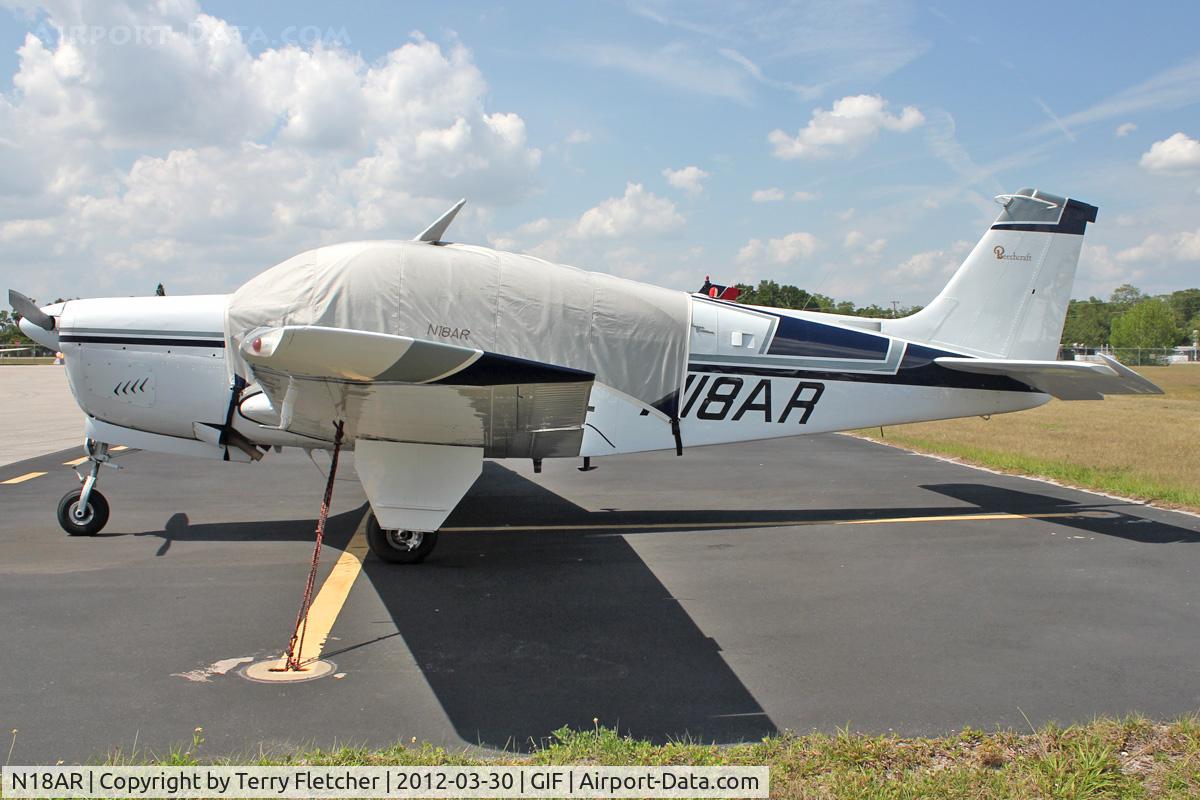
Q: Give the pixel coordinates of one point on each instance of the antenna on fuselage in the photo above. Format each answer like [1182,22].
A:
[434,233]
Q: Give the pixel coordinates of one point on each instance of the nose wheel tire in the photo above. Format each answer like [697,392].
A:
[82,521]
[399,547]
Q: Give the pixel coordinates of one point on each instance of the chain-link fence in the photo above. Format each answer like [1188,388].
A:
[1134,356]
[18,350]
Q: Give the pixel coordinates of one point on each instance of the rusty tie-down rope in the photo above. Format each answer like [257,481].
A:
[291,662]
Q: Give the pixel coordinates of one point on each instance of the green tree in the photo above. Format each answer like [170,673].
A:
[1190,331]
[1148,324]
[844,307]
[776,295]
[1088,322]
[1126,295]
[9,332]
[770,293]
[1185,304]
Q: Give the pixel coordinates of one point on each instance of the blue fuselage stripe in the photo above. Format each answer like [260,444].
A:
[917,369]
[152,341]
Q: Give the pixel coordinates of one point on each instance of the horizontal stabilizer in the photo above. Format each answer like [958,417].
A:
[1066,380]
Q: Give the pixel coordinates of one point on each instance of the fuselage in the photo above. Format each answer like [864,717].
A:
[426,357]
[157,367]
[763,373]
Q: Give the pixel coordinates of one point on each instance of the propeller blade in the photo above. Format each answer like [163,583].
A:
[29,310]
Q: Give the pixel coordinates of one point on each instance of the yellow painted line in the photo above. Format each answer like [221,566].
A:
[75,462]
[783,523]
[28,476]
[952,517]
[332,596]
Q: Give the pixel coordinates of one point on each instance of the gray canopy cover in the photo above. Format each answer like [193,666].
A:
[632,336]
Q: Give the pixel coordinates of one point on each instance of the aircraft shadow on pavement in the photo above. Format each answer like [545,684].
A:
[520,632]
[1106,517]
[339,528]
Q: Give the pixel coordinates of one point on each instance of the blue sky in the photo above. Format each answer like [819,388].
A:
[849,148]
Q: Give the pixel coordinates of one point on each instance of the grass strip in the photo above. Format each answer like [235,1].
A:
[1107,758]
[1110,480]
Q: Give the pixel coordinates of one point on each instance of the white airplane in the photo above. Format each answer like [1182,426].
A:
[434,356]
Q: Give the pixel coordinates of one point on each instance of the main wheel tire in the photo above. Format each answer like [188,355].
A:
[94,518]
[399,547]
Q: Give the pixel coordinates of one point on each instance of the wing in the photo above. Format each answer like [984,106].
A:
[401,389]
[1066,380]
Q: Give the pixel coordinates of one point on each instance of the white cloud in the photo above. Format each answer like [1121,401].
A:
[771,195]
[602,237]
[690,179]
[941,134]
[1049,112]
[775,195]
[1177,153]
[754,71]
[16,230]
[1124,129]
[785,250]
[1173,88]
[1099,271]
[857,240]
[185,153]
[1159,247]
[637,212]
[676,66]
[925,267]
[578,136]
[848,125]
[857,45]
[535,227]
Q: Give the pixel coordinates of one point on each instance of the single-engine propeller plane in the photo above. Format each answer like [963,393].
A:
[433,356]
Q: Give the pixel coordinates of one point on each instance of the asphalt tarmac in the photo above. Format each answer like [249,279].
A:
[732,593]
[37,412]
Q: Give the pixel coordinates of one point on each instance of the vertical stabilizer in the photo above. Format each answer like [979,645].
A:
[1009,298]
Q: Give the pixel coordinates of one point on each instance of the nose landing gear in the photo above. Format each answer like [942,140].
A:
[399,547]
[84,511]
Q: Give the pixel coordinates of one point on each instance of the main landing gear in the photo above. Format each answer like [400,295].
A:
[84,511]
[399,547]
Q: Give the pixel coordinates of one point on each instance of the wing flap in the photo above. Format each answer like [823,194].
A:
[1066,380]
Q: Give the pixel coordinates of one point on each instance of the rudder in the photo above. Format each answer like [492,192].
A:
[1009,298]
